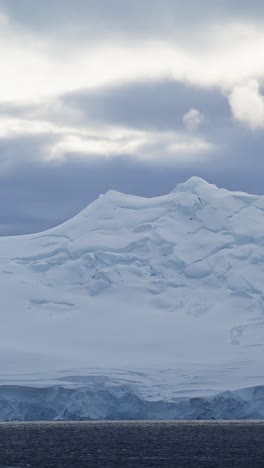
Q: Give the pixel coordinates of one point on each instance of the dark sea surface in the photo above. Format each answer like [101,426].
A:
[132,444]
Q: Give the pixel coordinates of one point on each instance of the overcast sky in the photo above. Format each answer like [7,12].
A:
[129,95]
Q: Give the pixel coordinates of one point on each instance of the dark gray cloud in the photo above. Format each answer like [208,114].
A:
[36,194]
[111,17]
[152,104]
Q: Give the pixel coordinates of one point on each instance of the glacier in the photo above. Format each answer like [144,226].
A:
[58,403]
[137,308]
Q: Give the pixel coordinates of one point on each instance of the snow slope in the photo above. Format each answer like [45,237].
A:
[170,290]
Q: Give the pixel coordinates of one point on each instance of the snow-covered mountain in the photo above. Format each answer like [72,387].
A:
[168,289]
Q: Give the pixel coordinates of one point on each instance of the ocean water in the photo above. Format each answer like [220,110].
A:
[132,444]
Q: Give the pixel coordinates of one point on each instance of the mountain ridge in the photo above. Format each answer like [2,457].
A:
[162,283]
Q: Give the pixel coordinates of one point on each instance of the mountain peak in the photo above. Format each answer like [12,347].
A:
[141,282]
[194,185]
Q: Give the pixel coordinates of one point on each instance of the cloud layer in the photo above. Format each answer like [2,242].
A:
[134,96]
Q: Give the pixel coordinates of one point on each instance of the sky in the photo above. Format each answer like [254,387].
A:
[132,96]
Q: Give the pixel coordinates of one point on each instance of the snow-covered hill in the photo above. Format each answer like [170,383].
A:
[168,289]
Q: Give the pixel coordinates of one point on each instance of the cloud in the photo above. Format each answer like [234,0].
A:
[143,119]
[121,141]
[155,104]
[94,44]
[102,94]
[115,16]
[247,104]
[103,141]
[39,194]
[193,119]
